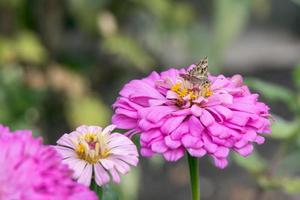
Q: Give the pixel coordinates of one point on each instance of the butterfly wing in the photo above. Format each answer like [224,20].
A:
[201,69]
[198,75]
[194,80]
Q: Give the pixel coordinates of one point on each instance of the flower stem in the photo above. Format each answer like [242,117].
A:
[194,176]
[97,189]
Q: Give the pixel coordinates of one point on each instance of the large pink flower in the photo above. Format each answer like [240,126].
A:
[172,117]
[92,150]
[30,170]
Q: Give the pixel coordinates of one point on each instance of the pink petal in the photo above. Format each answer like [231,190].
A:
[190,141]
[197,152]
[126,104]
[180,112]
[233,126]
[147,125]
[250,135]
[146,152]
[250,108]
[219,83]
[239,118]
[237,80]
[86,175]
[121,166]
[115,175]
[158,112]
[182,129]
[127,113]
[219,130]
[173,144]
[173,155]
[123,121]
[195,126]
[171,124]
[159,147]
[246,150]
[259,139]
[171,95]
[221,152]
[206,118]
[157,102]
[106,163]
[138,88]
[82,129]
[241,143]
[209,145]
[147,136]
[101,176]
[130,159]
[108,129]
[78,168]
[226,98]
[65,141]
[171,73]
[94,129]
[196,110]
[225,112]
[65,152]
[220,162]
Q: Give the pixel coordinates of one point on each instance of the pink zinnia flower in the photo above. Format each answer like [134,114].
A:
[30,170]
[91,150]
[173,116]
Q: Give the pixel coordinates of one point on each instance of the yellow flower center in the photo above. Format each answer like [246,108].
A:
[182,92]
[207,92]
[192,93]
[91,147]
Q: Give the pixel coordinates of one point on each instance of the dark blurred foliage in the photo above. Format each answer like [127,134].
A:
[62,64]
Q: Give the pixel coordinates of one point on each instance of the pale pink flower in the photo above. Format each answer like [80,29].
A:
[93,151]
[173,116]
[30,170]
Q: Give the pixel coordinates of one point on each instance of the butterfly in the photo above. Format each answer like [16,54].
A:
[198,75]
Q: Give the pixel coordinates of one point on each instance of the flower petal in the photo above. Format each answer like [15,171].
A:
[86,175]
[101,176]
[173,155]
[171,124]
[206,118]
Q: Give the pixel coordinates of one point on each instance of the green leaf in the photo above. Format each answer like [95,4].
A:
[290,165]
[85,12]
[97,189]
[291,185]
[230,19]
[283,129]
[268,182]
[109,193]
[271,91]
[29,48]
[296,74]
[88,110]
[7,52]
[129,186]
[296,1]
[254,163]
[128,50]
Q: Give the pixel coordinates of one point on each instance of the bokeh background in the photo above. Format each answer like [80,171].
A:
[62,63]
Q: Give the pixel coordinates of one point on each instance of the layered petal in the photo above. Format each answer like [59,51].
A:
[178,115]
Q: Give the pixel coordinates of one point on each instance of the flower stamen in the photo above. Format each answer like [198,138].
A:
[192,93]
[91,147]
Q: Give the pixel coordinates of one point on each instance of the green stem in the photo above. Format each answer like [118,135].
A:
[194,176]
[97,189]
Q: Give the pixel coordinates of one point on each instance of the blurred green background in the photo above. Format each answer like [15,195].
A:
[62,64]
